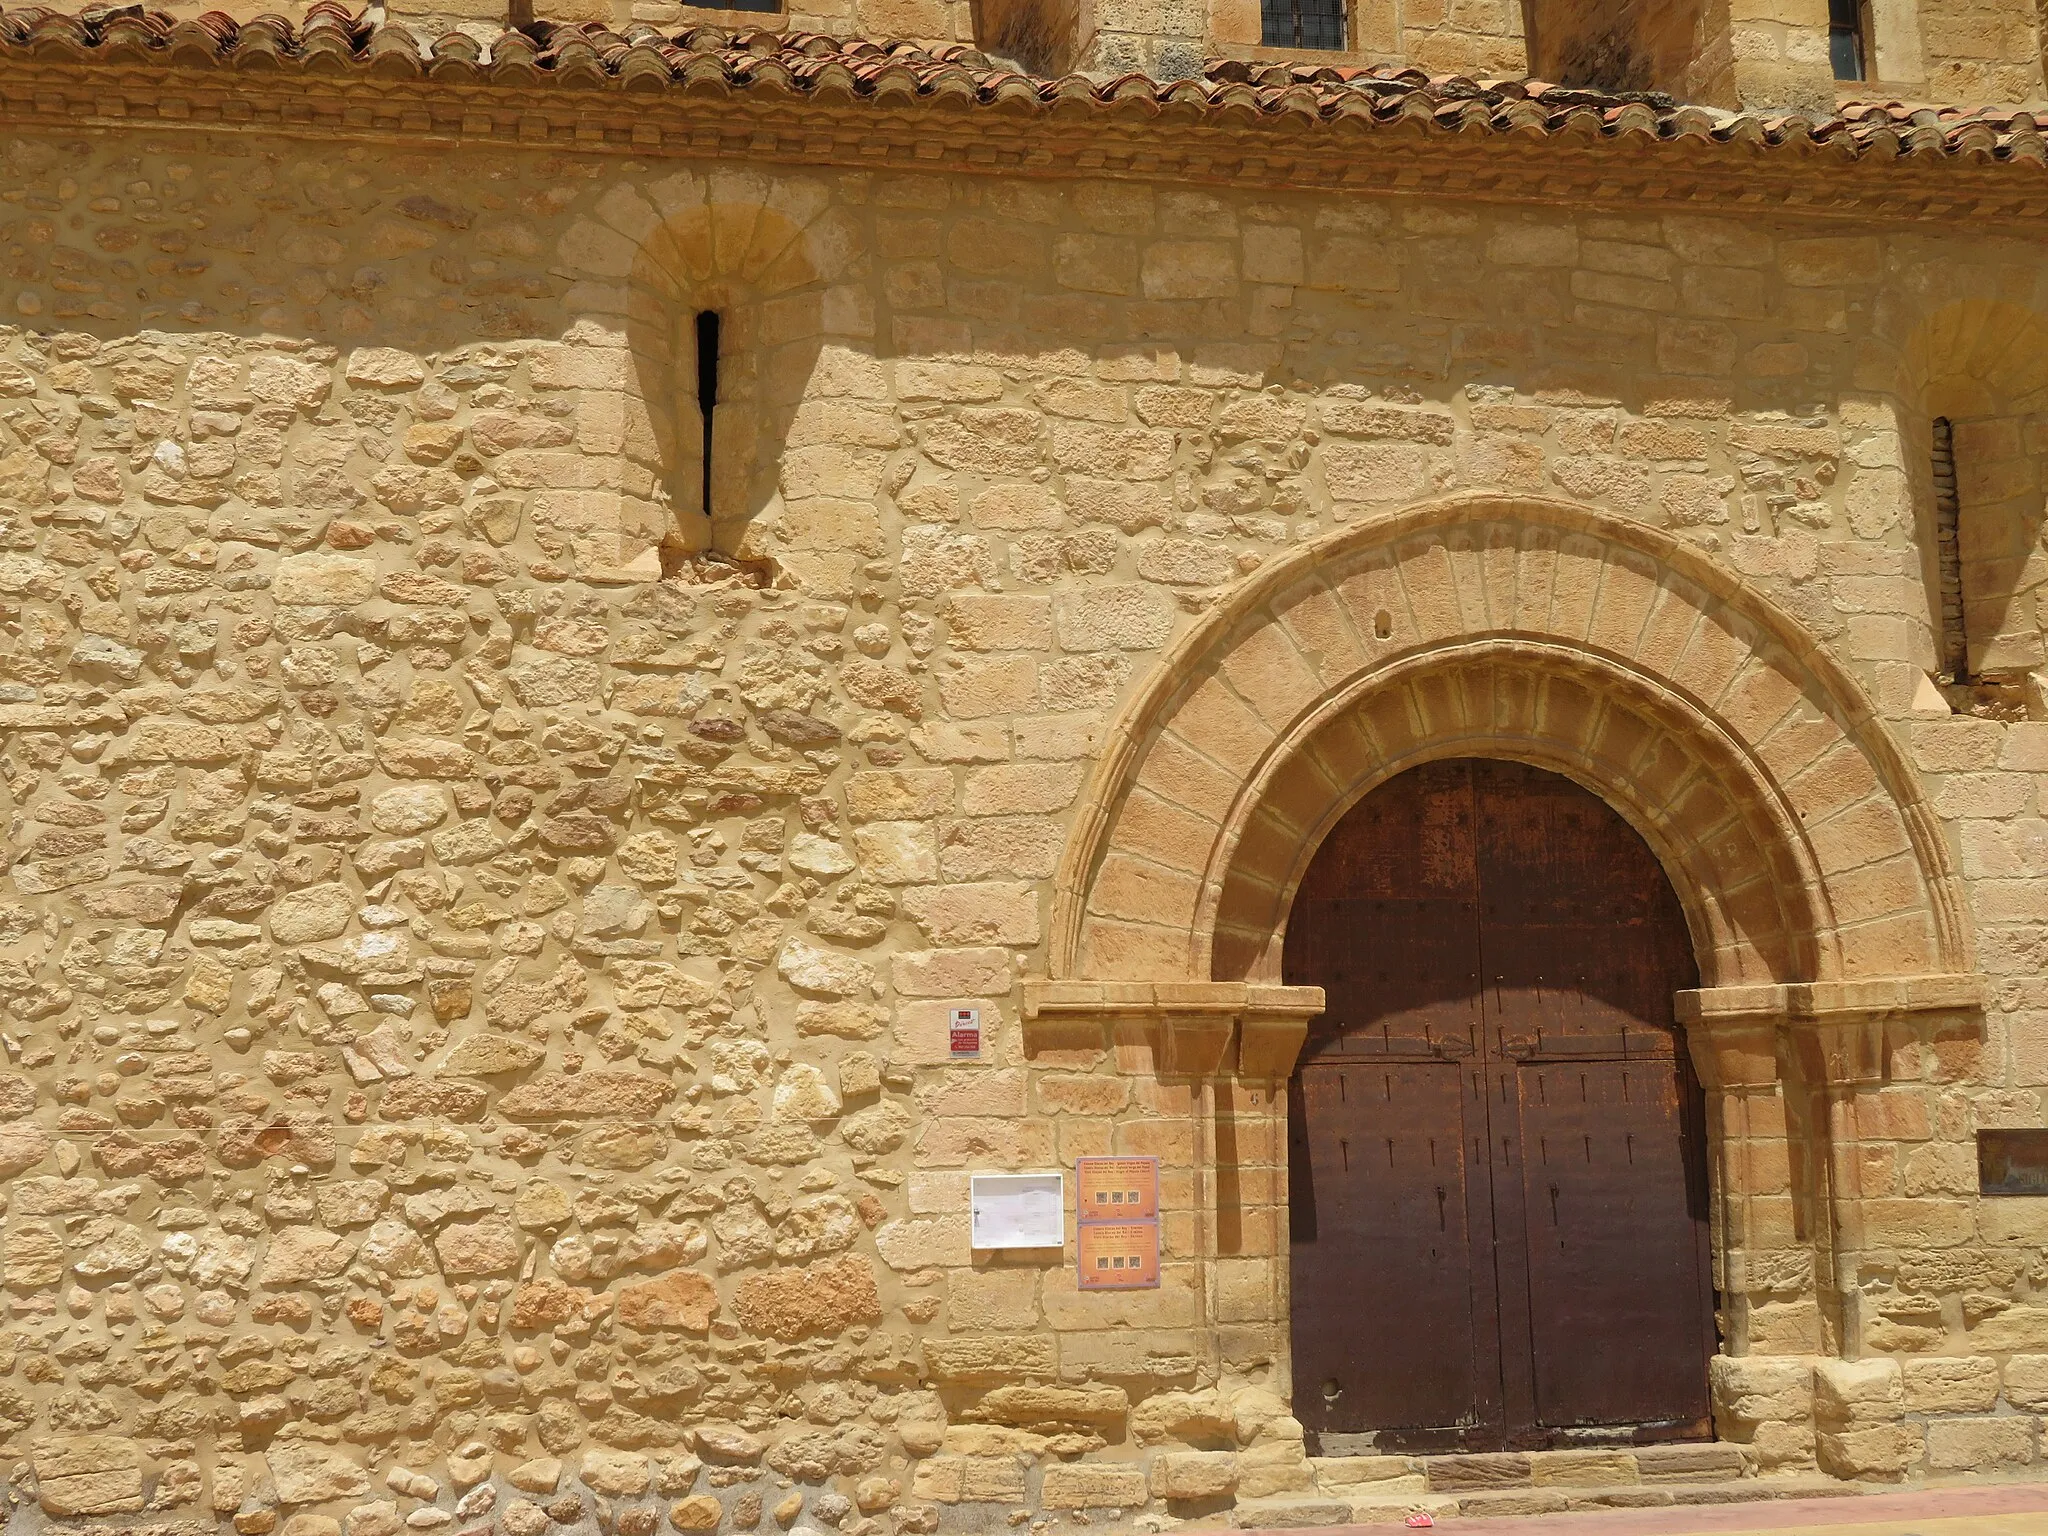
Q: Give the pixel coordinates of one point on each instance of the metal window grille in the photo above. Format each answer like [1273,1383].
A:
[1302,23]
[1846,40]
[1955,651]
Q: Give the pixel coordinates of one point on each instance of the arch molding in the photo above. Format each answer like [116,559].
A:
[1748,758]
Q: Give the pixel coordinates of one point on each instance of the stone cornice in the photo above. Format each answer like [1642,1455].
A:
[1153,139]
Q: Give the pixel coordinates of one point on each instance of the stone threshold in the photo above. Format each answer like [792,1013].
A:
[1966,1493]
[1385,1490]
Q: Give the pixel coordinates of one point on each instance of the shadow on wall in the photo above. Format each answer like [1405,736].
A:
[567,328]
[1637,45]
[1981,365]
[1044,37]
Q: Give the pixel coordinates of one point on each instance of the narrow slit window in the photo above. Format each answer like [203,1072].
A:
[1302,23]
[1948,550]
[1848,40]
[707,389]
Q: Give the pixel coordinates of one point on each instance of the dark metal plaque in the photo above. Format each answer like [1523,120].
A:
[2012,1162]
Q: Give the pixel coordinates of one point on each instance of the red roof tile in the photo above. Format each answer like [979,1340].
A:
[332,40]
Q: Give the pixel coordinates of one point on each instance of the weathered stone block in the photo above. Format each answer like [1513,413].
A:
[306,1472]
[1194,1475]
[1885,1452]
[1968,1385]
[991,1359]
[1027,1405]
[1093,1485]
[684,1300]
[1982,1444]
[1858,1391]
[2026,1382]
[326,581]
[87,1474]
[825,1299]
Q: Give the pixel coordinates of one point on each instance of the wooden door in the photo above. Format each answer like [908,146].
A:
[1496,1144]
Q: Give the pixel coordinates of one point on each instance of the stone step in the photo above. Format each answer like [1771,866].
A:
[1373,1502]
[1616,1467]
[1290,1514]
[1352,1471]
[1378,1511]
[1344,1477]
[1601,1467]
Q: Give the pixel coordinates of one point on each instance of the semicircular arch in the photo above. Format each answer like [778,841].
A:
[1751,761]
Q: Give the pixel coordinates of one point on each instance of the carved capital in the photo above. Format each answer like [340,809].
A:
[1842,1033]
[1184,1029]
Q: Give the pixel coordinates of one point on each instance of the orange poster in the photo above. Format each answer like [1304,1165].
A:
[1116,1188]
[1118,1255]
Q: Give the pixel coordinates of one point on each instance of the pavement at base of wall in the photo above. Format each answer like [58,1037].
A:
[2003,1510]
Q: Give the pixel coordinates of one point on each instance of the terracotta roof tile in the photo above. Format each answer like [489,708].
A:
[334,41]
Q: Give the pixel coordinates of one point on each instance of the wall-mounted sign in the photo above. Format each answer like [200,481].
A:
[1017,1210]
[1117,1188]
[1116,1230]
[2012,1162]
[963,1032]
[1118,1255]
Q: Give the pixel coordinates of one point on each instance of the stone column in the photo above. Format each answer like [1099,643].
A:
[1200,1074]
[1768,1215]
[1765,1198]
[1814,1106]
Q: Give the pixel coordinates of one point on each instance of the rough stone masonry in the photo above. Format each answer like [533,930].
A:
[480,923]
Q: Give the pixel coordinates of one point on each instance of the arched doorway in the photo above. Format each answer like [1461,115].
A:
[1497,1150]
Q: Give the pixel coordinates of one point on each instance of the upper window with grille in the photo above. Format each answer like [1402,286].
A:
[1302,23]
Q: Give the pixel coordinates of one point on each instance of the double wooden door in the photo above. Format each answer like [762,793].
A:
[1497,1149]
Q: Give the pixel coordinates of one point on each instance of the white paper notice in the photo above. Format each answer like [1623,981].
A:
[1018,1210]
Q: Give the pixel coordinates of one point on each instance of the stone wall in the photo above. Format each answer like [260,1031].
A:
[477,962]
[1988,50]
[1481,39]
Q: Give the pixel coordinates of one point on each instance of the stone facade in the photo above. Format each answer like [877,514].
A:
[481,922]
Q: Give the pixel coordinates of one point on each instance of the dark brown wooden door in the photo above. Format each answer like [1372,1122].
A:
[1497,1155]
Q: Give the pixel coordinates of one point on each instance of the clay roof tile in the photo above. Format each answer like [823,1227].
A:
[334,39]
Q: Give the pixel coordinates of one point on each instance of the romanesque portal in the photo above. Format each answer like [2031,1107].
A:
[1497,1159]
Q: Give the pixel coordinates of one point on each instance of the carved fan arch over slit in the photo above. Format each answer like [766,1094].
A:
[752,265]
